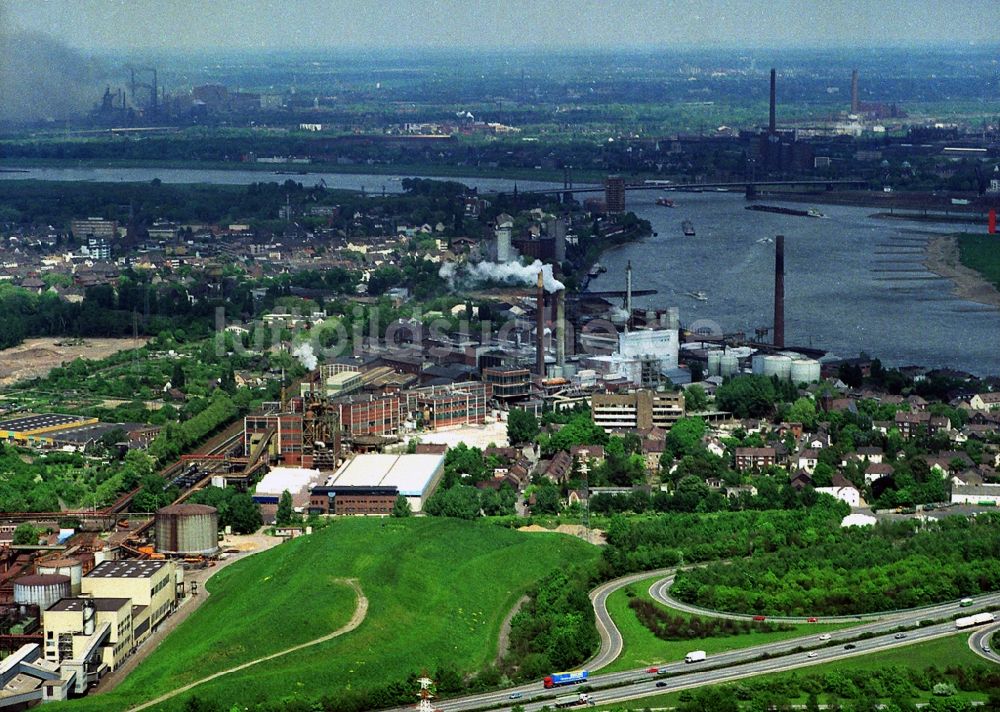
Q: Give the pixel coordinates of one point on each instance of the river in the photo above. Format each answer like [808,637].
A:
[834,297]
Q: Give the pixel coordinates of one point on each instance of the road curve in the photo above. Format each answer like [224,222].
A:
[360,611]
[979,641]
[611,637]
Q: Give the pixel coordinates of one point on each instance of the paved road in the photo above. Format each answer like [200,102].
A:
[982,645]
[723,667]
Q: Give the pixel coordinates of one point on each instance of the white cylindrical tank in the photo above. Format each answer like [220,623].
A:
[757,364]
[67,567]
[714,362]
[780,366]
[805,371]
[729,365]
[42,590]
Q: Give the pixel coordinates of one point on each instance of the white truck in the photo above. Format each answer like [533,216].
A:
[565,701]
[695,656]
[977,619]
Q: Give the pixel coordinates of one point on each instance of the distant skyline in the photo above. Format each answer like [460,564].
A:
[157,25]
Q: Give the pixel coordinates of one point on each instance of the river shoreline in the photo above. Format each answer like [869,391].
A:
[942,258]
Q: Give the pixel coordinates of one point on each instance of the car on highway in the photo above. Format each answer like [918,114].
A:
[515,695]
[813,654]
[760,618]
[813,619]
[850,646]
[899,636]
[661,683]
[653,669]
[825,636]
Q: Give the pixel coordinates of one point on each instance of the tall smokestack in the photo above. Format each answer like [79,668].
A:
[561,328]
[628,294]
[540,328]
[771,125]
[855,103]
[779,291]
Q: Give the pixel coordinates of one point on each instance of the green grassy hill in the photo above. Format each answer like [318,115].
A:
[981,253]
[438,591]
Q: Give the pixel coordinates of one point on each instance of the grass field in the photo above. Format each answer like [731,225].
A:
[950,650]
[642,648]
[438,591]
[982,254]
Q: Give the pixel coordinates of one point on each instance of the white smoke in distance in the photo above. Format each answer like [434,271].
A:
[470,275]
[304,353]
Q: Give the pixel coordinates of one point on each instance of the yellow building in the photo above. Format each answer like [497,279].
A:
[69,636]
[151,586]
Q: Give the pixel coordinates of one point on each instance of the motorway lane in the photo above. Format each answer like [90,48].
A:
[982,645]
[638,683]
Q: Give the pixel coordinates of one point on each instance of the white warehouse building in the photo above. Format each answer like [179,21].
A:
[414,476]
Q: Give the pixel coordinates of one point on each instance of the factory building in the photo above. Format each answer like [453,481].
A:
[369,415]
[641,410]
[446,406]
[72,624]
[643,358]
[40,429]
[150,585]
[511,383]
[369,484]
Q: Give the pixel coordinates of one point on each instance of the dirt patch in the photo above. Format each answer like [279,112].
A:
[578,530]
[36,357]
[943,259]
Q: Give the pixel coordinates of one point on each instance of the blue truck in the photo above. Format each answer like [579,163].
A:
[558,679]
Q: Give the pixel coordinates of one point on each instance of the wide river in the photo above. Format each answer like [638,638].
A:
[839,295]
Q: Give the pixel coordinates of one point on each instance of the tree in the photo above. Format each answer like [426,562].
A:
[25,534]
[695,399]
[401,507]
[547,499]
[285,513]
[177,379]
[522,426]
[685,436]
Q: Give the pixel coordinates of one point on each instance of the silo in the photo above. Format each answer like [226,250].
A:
[714,361]
[780,366]
[67,567]
[757,364]
[187,529]
[805,370]
[729,365]
[41,589]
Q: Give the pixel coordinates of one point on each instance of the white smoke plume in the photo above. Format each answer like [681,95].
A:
[304,353]
[470,275]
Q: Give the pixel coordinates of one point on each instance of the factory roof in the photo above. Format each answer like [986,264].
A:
[410,474]
[127,568]
[28,423]
[187,509]
[293,479]
[41,580]
[100,604]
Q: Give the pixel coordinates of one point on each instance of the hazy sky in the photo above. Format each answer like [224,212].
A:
[231,24]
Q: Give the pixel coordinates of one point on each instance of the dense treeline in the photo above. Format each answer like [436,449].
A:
[236,509]
[667,626]
[856,570]
[554,630]
[176,438]
[651,543]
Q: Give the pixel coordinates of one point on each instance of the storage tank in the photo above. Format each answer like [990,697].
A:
[729,365]
[757,364]
[780,366]
[41,589]
[714,362]
[66,567]
[805,371]
[187,530]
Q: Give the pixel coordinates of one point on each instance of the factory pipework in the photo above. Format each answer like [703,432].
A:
[779,291]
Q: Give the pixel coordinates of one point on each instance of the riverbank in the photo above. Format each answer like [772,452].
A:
[943,259]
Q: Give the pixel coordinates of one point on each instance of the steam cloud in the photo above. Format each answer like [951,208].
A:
[471,275]
[43,79]
[304,353]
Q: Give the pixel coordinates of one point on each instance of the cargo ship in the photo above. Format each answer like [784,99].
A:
[688,227]
[810,213]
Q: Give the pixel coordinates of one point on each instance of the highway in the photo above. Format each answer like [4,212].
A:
[729,666]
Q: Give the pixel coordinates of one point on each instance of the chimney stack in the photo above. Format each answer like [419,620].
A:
[628,295]
[540,328]
[771,126]
[779,291]
[855,103]
[561,328]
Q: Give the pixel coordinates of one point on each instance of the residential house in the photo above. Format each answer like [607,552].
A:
[877,470]
[843,490]
[754,458]
[985,401]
